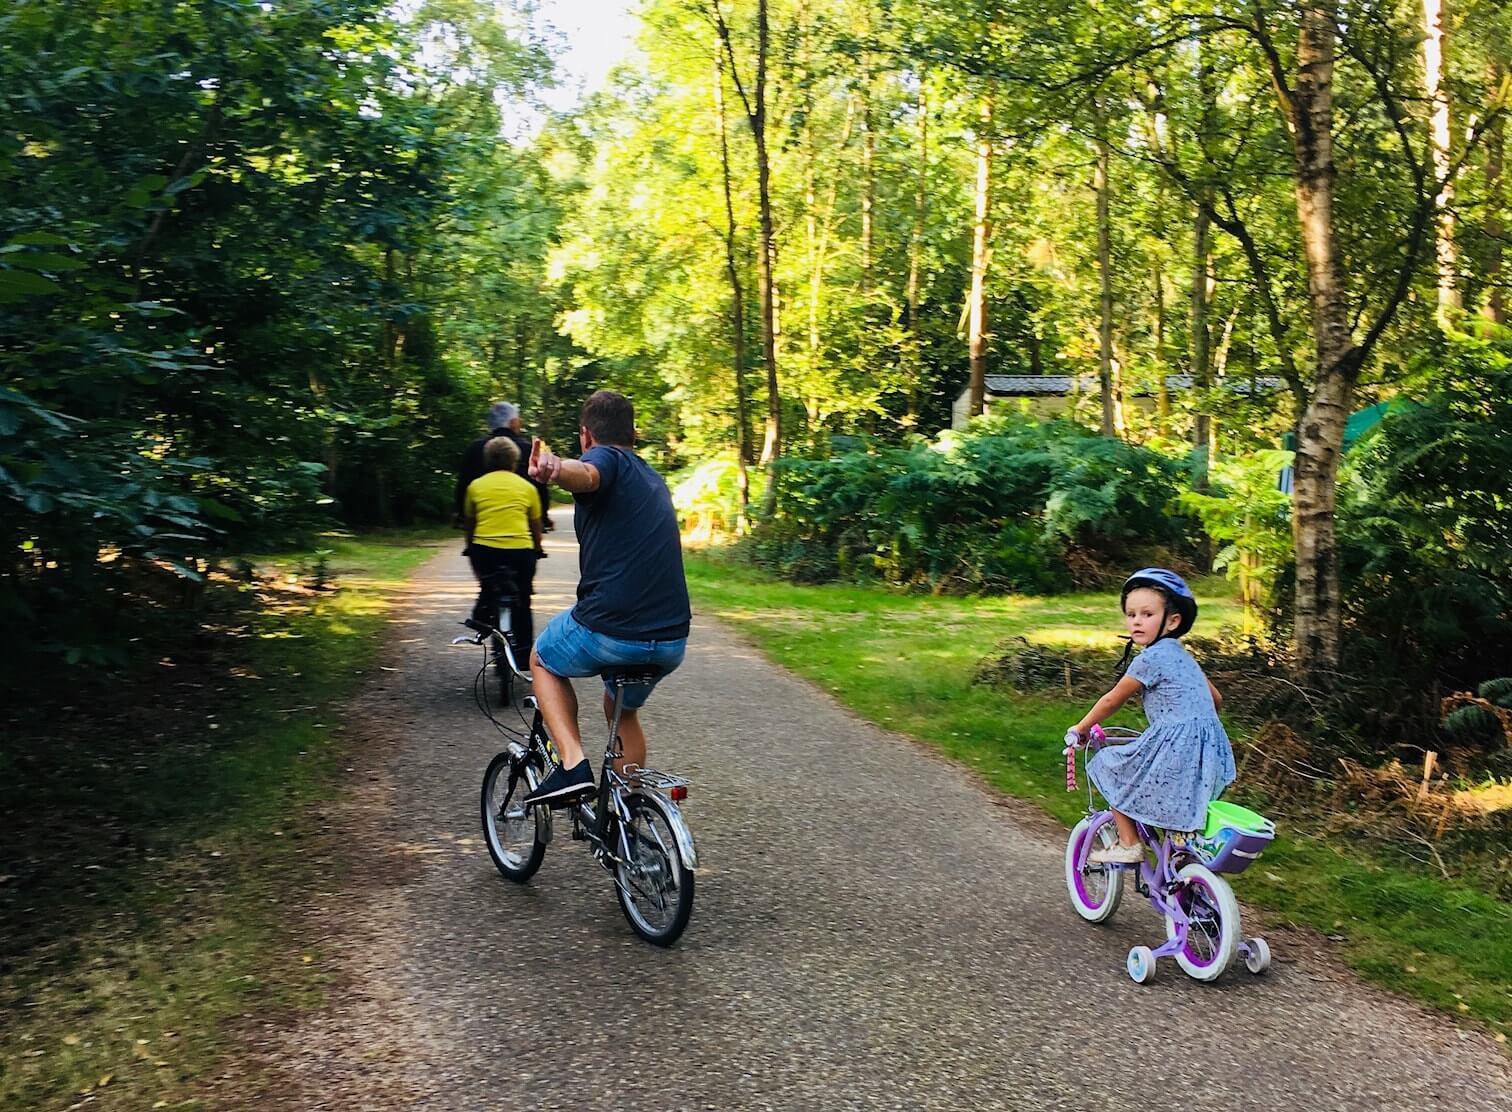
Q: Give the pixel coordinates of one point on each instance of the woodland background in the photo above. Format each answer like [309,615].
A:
[263,266]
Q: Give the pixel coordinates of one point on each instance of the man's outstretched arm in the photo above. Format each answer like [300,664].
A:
[569,474]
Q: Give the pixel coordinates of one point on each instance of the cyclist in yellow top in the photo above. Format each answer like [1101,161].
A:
[502,514]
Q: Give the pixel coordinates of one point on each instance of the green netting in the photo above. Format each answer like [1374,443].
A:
[1221,813]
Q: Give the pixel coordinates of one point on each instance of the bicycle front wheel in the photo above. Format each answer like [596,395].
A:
[1095,890]
[653,883]
[515,835]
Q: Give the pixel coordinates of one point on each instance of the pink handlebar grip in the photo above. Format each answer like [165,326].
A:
[1073,741]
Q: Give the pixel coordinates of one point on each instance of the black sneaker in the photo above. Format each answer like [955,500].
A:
[563,785]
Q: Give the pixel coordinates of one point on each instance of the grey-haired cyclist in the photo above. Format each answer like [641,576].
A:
[632,598]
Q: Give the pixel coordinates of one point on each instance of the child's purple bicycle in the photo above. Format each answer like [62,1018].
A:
[1182,882]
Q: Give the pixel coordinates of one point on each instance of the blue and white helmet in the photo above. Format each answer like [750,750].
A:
[1172,586]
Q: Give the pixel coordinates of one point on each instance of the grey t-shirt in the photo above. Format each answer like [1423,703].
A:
[631,583]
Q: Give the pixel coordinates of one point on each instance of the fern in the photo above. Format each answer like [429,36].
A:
[1498,691]
[1471,727]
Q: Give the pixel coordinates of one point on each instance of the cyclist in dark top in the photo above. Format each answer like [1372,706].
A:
[632,606]
[503,420]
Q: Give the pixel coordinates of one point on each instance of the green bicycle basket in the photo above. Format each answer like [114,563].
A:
[1221,813]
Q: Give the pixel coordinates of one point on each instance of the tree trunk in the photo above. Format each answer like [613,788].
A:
[522,361]
[389,339]
[756,111]
[1203,284]
[1435,69]
[977,334]
[1162,355]
[915,261]
[868,186]
[737,301]
[771,447]
[1110,420]
[811,234]
[1494,309]
[1202,336]
[1320,428]
[868,154]
[1162,325]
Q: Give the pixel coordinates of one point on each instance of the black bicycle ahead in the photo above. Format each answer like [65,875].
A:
[632,823]
[501,642]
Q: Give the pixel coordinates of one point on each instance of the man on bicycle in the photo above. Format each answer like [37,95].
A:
[632,606]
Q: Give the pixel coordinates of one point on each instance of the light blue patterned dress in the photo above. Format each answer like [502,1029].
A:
[1168,775]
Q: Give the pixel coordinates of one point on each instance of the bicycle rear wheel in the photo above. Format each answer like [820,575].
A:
[515,835]
[1212,933]
[505,626]
[653,883]
[506,678]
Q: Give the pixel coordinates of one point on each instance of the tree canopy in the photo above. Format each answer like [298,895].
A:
[264,264]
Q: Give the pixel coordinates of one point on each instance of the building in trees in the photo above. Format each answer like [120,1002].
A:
[1053,395]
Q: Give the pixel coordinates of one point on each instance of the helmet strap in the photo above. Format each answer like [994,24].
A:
[1123,661]
[1165,619]
[1165,623]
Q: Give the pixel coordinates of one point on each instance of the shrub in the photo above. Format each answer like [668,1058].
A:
[1247,513]
[1426,531]
[999,507]
[707,499]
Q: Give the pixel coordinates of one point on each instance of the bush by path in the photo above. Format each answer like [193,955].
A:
[1008,505]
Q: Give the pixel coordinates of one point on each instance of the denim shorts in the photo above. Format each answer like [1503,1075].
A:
[568,648]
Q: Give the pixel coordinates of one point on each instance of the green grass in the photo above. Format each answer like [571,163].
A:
[153,915]
[906,662]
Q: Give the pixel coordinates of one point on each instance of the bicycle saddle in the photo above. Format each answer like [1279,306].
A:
[623,675]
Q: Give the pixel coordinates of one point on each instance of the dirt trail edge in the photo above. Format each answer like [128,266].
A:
[870,932]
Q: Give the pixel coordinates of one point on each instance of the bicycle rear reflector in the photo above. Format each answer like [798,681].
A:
[678,793]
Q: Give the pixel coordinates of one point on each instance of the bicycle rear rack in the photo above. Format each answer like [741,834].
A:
[663,782]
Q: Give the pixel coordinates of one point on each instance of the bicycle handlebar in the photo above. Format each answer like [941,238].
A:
[486,631]
[1073,743]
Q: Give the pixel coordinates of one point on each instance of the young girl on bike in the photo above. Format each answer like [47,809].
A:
[1168,775]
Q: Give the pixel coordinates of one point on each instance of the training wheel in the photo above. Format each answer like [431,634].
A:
[1257,956]
[1141,964]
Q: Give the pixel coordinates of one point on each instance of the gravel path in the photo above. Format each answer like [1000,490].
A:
[872,930]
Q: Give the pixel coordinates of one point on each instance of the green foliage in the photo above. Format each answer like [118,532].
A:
[1108,495]
[1475,726]
[1425,527]
[1245,511]
[1000,507]
[1498,691]
[232,232]
[1471,727]
[707,499]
